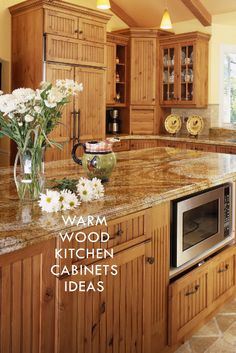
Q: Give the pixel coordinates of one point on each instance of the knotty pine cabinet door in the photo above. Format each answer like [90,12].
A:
[92,30]
[114,320]
[60,23]
[160,275]
[143,71]
[63,132]
[91,103]
[27,300]
[111,73]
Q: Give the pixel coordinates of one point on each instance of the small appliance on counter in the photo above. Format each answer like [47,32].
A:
[98,159]
[113,122]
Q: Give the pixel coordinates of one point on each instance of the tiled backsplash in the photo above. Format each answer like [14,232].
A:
[210,116]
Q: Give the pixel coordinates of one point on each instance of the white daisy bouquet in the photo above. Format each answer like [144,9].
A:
[84,190]
[27,117]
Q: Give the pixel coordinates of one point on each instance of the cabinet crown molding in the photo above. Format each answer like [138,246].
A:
[185,36]
[55,5]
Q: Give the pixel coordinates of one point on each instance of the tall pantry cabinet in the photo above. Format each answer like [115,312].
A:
[57,40]
[143,59]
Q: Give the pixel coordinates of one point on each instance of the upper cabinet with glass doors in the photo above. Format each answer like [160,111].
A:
[184,70]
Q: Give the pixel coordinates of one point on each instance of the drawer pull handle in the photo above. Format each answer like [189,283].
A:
[193,291]
[151,260]
[119,232]
[224,269]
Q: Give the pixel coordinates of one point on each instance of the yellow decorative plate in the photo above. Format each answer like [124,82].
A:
[173,123]
[195,124]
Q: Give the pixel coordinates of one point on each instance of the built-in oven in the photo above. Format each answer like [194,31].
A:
[200,222]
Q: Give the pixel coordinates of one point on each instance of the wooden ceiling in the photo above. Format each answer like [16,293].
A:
[148,13]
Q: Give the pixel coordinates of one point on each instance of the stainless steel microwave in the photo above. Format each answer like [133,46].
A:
[201,222]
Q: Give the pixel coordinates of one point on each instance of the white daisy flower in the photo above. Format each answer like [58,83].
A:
[49,202]
[68,200]
[85,192]
[83,182]
[29,118]
[8,103]
[98,188]
[24,94]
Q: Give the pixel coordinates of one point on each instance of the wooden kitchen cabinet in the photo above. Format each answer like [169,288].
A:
[142,120]
[48,36]
[123,145]
[140,144]
[184,70]
[78,26]
[169,143]
[188,303]
[201,147]
[90,103]
[226,149]
[223,275]
[198,293]
[116,319]
[124,232]
[117,66]
[143,70]
[27,304]
[63,132]
[160,275]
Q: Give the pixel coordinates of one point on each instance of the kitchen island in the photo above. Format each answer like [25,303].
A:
[135,309]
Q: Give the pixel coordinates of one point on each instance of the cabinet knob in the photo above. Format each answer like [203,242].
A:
[151,260]
[119,232]
[76,30]
[81,32]
[224,269]
[193,291]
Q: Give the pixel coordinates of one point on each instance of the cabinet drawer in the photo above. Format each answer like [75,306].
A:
[123,233]
[143,120]
[188,300]
[223,275]
[201,147]
[121,146]
[139,144]
[73,51]
[168,143]
[60,23]
[226,149]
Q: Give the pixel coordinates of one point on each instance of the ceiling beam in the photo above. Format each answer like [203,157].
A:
[117,10]
[199,11]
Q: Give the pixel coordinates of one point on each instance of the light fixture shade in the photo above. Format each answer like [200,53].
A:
[166,21]
[103,4]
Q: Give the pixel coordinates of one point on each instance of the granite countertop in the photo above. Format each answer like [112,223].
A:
[213,140]
[142,179]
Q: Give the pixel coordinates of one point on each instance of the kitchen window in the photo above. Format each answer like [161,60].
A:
[228,85]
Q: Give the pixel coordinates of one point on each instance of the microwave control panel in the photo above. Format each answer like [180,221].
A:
[227,211]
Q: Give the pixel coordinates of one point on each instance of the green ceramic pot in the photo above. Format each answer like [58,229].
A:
[96,164]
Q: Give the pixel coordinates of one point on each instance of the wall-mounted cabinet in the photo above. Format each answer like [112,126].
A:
[117,53]
[184,70]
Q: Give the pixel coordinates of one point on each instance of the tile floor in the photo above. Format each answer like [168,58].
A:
[217,336]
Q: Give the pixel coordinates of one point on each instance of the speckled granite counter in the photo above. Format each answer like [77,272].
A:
[212,140]
[142,178]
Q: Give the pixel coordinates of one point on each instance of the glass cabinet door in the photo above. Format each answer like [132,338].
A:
[186,73]
[168,74]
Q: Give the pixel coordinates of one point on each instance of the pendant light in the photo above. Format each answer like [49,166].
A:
[166,21]
[103,4]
